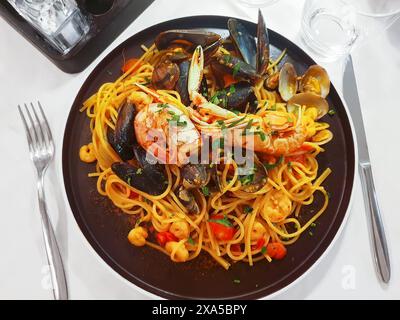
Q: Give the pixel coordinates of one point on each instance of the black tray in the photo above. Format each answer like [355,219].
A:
[108,18]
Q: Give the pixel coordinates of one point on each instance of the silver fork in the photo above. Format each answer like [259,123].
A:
[41,150]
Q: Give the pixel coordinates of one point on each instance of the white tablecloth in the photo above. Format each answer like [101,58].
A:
[25,75]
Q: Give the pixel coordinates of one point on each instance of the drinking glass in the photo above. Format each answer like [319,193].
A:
[257,3]
[331,28]
[59,21]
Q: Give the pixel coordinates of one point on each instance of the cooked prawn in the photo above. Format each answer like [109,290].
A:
[167,133]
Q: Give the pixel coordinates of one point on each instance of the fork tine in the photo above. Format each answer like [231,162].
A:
[31,126]
[39,128]
[27,131]
[46,124]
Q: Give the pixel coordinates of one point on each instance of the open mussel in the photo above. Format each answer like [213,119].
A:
[193,36]
[262,46]
[123,138]
[254,53]
[165,75]
[239,97]
[254,178]
[182,83]
[244,42]
[142,179]
[236,67]
[195,176]
[188,200]
[147,176]
[309,100]
[287,81]
[272,82]
[315,80]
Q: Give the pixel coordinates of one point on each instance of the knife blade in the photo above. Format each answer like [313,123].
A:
[377,232]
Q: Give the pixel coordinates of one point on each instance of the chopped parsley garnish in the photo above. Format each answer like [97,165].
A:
[311,234]
[147,81]
[220,97]
[331,112]
[236,112]
[182,124]
[245,180]
[237,281]
[236,69]
[261,134]
[138,221]
[313,225]
[191,241]
[264,250]
[205,191]
[139,171]
[225,221]
[270,166]
[129,180]
[248,209]
[249,124]
[236,122]
[289,165]
[176,119]
[227,58]
[214,99]
[289,119]
[273,107]
[255,133]
[162,106]
[232,89]
[221,123]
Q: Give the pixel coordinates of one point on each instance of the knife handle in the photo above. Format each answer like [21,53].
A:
[380,249]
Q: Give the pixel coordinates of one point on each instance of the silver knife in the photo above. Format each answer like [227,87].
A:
[377,232]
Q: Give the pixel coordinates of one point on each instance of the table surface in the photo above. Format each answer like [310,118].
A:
[347,272]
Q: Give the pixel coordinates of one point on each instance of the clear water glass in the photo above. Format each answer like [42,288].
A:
[331,28]
[59,21]
[257,3]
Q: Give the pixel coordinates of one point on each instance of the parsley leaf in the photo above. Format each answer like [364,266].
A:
[248,209]
[221,123]
[205,191]
[236,122]
[264,250]
[245,180]
[236,69]
[191,241]
[227,58]
[225,221]
[331,112]
[176,119]
[162,106]
[270,166]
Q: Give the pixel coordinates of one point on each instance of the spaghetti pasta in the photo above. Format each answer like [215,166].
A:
[232,224]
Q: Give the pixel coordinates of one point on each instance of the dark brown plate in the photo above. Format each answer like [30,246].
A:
[106,228]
